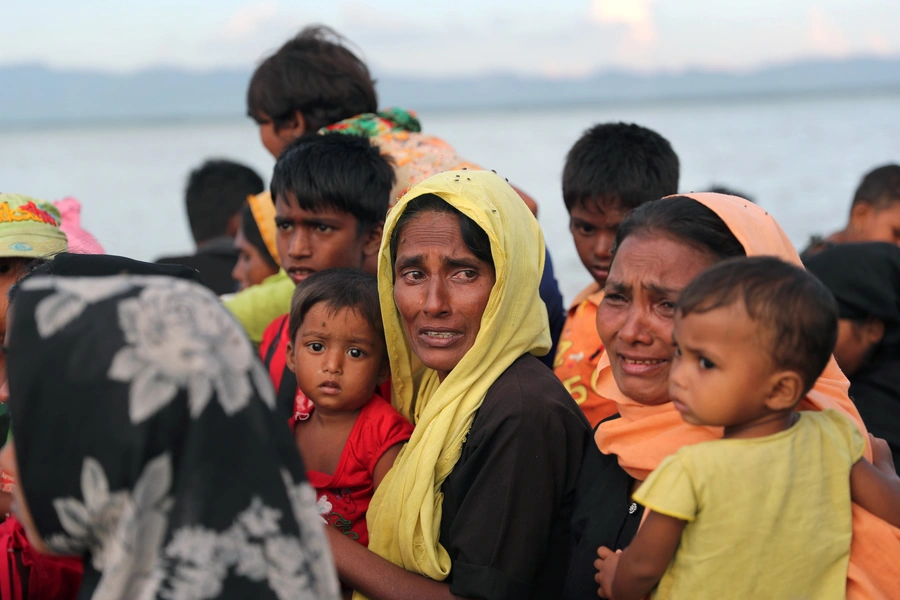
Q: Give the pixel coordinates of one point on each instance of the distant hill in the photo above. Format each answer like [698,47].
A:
[35,93]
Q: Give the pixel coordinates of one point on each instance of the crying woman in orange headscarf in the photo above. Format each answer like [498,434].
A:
[670,242]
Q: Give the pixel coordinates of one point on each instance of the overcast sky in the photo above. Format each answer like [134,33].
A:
[417,37]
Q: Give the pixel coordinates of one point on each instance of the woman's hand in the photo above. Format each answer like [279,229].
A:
[606,566]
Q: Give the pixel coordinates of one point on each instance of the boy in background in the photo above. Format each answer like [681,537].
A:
[331,198]
[215,194]
[874,213]
[612,169]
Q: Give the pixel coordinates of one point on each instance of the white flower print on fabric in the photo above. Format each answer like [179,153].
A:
[72,296]
[186,341]
[323,507]
[197,560]
[122,531]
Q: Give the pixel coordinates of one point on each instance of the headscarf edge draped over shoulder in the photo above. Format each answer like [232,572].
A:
[647,434]
[405,514]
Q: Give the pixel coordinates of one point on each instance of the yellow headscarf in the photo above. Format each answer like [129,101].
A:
[404,517]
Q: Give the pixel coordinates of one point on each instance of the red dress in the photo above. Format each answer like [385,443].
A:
[343,498]
[26,574]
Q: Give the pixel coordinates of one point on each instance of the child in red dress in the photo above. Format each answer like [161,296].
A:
[349,435]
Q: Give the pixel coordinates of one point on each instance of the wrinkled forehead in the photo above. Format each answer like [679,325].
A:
[652,260]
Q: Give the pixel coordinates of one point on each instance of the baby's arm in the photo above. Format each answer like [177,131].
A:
[877,490]
[640,566]
[385,463]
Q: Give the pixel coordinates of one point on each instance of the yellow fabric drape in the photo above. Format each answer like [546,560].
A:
[404,517]
[263,208]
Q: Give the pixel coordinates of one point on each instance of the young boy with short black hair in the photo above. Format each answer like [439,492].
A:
[612,169]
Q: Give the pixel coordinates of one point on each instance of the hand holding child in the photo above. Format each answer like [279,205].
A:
[606,570]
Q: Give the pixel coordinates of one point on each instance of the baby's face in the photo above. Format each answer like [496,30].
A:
[338,359]
[721,368]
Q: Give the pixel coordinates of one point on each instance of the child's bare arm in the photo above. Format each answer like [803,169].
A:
[385,463]
[642,564]
[876,491]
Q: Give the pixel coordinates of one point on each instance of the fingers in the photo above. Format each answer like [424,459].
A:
[603,552]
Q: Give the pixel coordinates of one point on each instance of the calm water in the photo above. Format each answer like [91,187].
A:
[800,158]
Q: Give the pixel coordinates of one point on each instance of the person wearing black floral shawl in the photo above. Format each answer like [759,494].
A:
[146,442]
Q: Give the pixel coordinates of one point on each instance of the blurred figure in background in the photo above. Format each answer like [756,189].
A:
[865,280]
[874,214]
[256,260]
[80,241]
[729,191]
[29,234]
[216,192]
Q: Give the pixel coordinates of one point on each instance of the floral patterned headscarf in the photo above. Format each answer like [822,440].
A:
[147,443]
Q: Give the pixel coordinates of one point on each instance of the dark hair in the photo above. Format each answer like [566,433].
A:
[796,311]
[474,236]
[723,189]
[340,172]
[685,219]
[31,268]
[251,232]
[879,187]
[619,163]
[316,74]
[338,289]
[215,192]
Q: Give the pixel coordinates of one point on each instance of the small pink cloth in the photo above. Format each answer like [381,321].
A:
[80,241]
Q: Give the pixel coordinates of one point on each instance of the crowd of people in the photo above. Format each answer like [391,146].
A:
[365,383]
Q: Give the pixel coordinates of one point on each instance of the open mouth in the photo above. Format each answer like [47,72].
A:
[298,274]
[641,366]
[439,338]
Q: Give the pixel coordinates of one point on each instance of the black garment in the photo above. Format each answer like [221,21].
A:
[147,442]
[214,261]
[865,281]
[875,389]
[604,515]
[508,502]
[101,265]
[556,310]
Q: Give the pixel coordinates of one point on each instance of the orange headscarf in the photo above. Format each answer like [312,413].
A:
[647,434]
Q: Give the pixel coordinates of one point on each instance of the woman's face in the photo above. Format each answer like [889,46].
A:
[855,342]
[251,267]
[635,318]
[441,290]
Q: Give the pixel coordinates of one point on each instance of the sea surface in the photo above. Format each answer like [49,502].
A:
[799,157]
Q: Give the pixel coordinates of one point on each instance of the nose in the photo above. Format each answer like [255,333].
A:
[237,274]
[436,298]
[603,244]
[636,327]
[299,245]
[677,374]
[334,361]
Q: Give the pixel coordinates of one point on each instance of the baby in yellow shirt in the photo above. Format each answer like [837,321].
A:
[765,511]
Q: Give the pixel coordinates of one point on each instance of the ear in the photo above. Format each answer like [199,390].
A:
[373,239]
[292,128]
[785,389]
[289,358]
[873,330]
[860,214]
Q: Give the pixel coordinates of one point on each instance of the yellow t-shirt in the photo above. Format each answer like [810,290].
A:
[767,517]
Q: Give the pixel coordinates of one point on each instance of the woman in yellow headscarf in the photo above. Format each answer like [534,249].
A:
[478,502]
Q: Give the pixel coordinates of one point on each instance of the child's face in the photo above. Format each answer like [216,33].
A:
[593,226]
[721,374]
[338,359]
[309,241]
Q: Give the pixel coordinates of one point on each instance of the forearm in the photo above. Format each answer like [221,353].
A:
[634,579]
[378,578]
